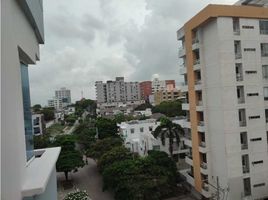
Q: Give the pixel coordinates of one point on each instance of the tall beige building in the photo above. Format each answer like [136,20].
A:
[225,67]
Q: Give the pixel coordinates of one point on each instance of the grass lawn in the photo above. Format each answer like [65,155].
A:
[56,129]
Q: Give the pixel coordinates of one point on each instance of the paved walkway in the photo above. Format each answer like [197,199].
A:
[87,179]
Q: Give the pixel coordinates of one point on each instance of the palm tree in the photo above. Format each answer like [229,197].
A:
[168,129]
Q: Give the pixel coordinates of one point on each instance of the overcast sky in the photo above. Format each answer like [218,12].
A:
[90,40]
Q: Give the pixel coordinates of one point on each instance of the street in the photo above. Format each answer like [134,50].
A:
[87,179]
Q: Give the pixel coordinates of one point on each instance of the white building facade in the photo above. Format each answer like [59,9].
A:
[38,124]
[225,61]
[64,95]
[25,173]
[138,138]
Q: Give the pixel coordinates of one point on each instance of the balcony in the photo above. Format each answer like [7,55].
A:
[197,62]
[204,168]
[181,52]
[195,43]
[245,169]
[184,87]
[205,190]
[198,85]
[242,123]
[201,126]
[188,141]
[199,106]
[241,100]
[183,70]
[189,159]
[202,147]
[190,177]
[244,146]
[238,55]
[185,106]
[239,77]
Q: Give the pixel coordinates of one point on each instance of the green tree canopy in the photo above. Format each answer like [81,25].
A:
[116,154]
[48,113]
[37,108]
[169,108]
[69,159]
[106,128]
[42,141]
[144,106]
[103,146]
[170,130]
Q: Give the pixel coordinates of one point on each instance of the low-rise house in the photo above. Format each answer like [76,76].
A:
[138,137]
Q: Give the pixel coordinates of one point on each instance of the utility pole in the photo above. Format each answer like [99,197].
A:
[218,189]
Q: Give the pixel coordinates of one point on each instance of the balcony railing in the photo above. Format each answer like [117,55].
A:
[238,55]
[204,165]
[201,123]
[202,144]
[245,169]
[195,40]
[242,123]
[237,31]
[244,146]
[198,82]
[264,54]
[189,155]
[264,32]
[239,77]
[205,186]
[197,62]
[241,100]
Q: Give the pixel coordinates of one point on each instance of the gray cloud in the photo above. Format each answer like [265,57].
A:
[100,39]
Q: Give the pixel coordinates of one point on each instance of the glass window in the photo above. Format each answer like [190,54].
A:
[264,49]
[265,93]
[132,130]
[265,71]
[27,111]
[263,27]
[141,129]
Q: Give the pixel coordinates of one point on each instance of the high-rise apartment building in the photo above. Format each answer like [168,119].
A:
[146,89]
[117,91]
[25,173]
[64,95]
[161,85]
[225,61]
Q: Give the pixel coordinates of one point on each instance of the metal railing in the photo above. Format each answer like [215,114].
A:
[242,123]
[204,165]
[264,32]
[238,55]
[197,62]
[202,144]
[245,169]
[244,146]
[239,77]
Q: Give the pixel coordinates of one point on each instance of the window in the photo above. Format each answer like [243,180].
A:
[266,115]
[257,162]
[237,49]
[265,93]
[248,27]
[259,185]
[36,130]
[236,26]
[264,49]
[27,111]
[245,163]
[150,128]
[251,72]
[255,139]
[247,186]
[156,147]
[141,129]
[254,117]
[244,140]
[249,49]
[252,94]
[263,27]
[265,71]
[132,130]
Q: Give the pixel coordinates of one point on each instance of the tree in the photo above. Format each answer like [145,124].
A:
[48,113]
[144,106]
[169,108]
[69,158]
[78,195]
[37,108]
[170,130]
[102,146]
[42,141]
[70,119]
[106,128]
[116,154]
